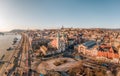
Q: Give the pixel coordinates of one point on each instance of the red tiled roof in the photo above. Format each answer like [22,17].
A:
[54,43]
[108,54]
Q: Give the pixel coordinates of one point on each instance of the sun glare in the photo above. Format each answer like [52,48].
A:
[3,26]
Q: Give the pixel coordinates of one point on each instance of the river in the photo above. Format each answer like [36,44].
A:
[6,41]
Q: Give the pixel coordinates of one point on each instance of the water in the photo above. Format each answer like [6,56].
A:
[6,42]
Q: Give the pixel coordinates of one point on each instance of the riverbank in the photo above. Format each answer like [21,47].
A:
[6,41]
[9,57]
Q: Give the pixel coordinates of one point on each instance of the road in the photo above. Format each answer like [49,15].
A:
[23,64]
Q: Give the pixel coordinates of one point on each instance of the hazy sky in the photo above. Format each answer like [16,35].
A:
[24,14]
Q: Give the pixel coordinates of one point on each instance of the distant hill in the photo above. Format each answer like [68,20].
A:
[1,33]
[17,30]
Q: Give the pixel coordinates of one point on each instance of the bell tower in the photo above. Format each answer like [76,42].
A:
[58,40]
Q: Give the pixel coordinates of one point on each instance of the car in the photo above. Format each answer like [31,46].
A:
[104,64]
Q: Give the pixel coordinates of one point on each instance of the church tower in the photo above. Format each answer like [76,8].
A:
[58,40]
[63,41]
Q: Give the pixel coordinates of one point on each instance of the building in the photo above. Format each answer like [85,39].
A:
[108,52]
[87,48]
[58,42]
[43,50]
[57,45]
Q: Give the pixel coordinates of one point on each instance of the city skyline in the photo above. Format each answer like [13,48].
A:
[41,14]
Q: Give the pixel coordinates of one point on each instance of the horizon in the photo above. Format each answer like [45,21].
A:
[46,14]
[60,28]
